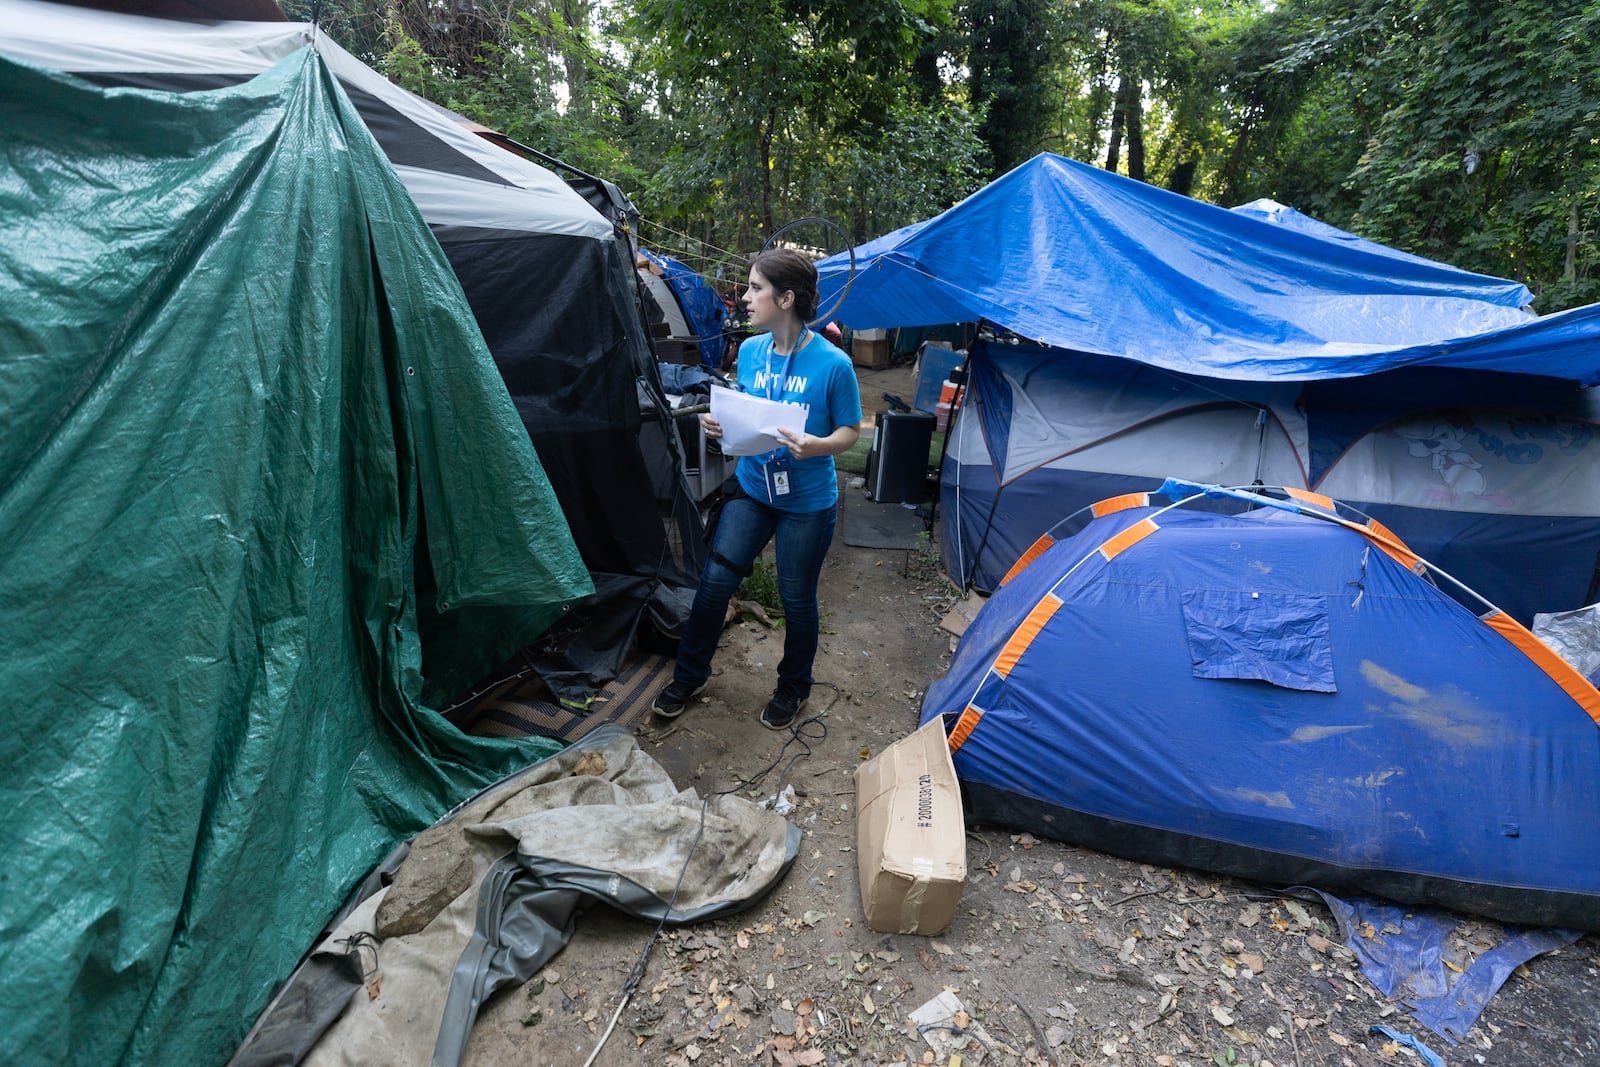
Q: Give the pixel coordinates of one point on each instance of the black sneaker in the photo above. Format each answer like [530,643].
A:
[784,706]
[674,699]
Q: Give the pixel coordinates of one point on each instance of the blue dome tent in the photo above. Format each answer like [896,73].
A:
[1271,689]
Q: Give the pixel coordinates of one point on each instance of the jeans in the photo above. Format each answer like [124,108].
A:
[746,525]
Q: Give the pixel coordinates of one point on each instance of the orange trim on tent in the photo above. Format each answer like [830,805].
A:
[1024,635]
[1035,550]
[1307,496]
[964,727]
[1128,538]
[1113,504]
[1560,671]
[1396,549]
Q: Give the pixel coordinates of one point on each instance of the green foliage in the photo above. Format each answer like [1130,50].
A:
[1489,155]
[762,586]
[1455,129]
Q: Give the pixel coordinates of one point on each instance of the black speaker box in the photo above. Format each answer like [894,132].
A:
[897,466]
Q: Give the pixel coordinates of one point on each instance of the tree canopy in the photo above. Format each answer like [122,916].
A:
[1459,130]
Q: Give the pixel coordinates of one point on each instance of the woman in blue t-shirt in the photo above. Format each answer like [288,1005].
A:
[789,496]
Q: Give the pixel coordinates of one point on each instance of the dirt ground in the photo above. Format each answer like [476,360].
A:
[1058,954]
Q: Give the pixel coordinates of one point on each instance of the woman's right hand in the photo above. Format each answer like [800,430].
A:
[711,427]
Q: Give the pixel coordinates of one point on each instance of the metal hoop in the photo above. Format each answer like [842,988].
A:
[850,279]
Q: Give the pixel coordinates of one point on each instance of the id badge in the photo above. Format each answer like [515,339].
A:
[778,477]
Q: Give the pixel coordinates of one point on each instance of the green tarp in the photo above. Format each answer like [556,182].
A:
[251,431]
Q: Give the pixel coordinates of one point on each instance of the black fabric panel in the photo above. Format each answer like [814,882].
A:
[541,302]
[163,81]
[409,145]
[557,312]
[403,141]
[988,805]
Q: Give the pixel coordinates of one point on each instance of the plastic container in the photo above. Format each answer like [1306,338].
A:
[946,407]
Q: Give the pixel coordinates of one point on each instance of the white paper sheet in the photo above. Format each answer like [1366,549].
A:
[750,423]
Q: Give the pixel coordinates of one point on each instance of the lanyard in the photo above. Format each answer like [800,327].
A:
[774,391]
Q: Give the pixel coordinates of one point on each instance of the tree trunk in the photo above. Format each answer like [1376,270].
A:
[1119,120]
[766,171]
[1133,117]
[575,14]
[1571,270]
[1182,179]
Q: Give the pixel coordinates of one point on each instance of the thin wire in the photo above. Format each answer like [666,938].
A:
[730,257]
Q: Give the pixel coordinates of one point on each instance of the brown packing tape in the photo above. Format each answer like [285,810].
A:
[911,906]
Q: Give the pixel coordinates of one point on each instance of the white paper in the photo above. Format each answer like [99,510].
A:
[750,424]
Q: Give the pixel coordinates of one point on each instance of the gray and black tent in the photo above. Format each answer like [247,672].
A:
[549,283]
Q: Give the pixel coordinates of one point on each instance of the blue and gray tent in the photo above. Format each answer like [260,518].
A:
[1178,338]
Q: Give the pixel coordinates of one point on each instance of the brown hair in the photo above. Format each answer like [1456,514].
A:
[789,271]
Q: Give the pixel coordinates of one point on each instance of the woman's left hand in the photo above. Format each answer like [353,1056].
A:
[801,445]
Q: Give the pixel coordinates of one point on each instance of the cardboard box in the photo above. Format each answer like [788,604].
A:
[871,353]
[911,840]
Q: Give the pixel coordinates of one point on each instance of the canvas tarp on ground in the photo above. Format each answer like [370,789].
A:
[488,896]
[247,416]
[1282,694]
[548,281]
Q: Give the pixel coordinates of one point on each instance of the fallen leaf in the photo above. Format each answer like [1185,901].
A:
[1253,960]
[1338,1039]
[1453,967]
[1250,915]
[1024,886]
[1301,915]
[742,939]
[942,949]
[1318,942]
[925,958]
[374,987]
[691,1052]
[1368,932]
[590,763]
[867,1005]
[1222,1015]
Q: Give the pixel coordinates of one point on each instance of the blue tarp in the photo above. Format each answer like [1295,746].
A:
[701,305]
[1083,259]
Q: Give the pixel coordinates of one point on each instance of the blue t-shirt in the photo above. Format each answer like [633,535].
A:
[820,378]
